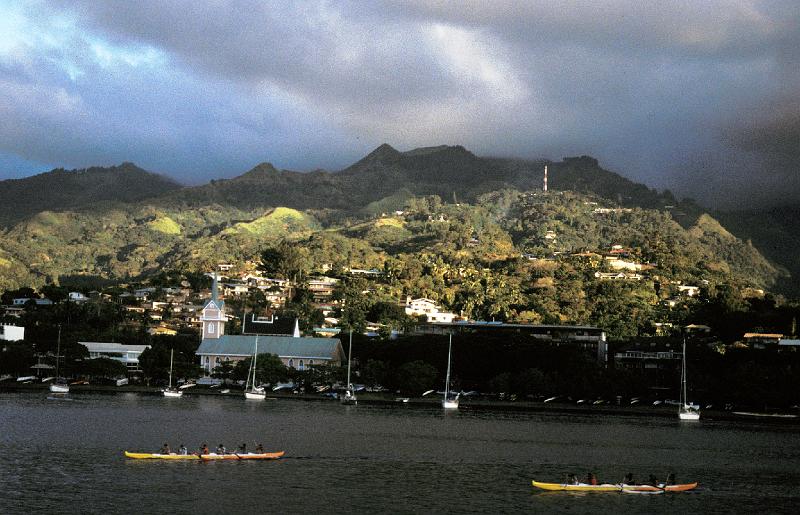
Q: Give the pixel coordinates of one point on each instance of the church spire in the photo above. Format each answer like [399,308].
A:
[214,289]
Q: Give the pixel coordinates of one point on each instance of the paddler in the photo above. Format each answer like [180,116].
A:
[242,448]
[164,449]
[260,449]
[182,450]
[628,478]
[204,448]
[671,479]
[220,449]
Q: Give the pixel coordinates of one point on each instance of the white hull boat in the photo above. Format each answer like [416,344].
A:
[449,402]
[686,411]
[170,391]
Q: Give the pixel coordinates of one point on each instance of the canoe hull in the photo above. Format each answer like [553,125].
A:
[260,456]
[152,456]
[561,487]
[576,488]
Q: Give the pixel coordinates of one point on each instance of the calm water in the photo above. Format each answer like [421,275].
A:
[67,456]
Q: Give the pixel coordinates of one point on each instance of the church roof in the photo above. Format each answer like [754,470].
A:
[282,346]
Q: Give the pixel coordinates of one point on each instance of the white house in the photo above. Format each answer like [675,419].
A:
[11,333]
[77,297]
[430,309]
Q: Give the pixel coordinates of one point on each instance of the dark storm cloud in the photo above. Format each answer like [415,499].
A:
[663,92]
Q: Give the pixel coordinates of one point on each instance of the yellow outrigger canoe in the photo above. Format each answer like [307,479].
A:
[156,456]
[607,487]
[205,457]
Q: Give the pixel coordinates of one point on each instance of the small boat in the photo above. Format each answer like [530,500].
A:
[686,410]
[157,456]
[608,487]
[251,391]
[244,456]
[59,385]
[349,394]
[170,391]
[449,402]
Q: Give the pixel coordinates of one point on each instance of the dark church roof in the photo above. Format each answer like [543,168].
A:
[282,346]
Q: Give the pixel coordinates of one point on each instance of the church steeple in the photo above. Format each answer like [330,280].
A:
[213,316]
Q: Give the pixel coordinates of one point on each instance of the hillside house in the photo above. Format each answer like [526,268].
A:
[689,291]
[322,287]
[761,340]
[617,276]
[430,309]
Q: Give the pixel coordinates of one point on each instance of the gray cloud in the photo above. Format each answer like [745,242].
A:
[663,92]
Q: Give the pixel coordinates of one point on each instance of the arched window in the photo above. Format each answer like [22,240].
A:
[310,362]
[301,364]
[291,363]
[211,328]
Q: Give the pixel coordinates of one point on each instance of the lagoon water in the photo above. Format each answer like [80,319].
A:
[67,456]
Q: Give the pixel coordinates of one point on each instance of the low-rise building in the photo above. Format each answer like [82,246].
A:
[128,355]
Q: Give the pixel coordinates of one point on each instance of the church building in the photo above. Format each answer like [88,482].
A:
[295,351]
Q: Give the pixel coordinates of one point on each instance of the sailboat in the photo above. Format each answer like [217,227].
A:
[59,385]
[171,391]
[449,402]
[251,391]
[686,411]
[349,393]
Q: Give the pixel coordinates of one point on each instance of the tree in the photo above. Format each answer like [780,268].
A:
[416,377]
[286,260]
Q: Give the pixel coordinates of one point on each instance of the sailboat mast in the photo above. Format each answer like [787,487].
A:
[171,353]
[58,349]
[349,358]
[683,375]
[255,358]
[447,380]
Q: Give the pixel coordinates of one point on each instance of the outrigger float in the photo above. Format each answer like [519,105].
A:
[608,487]
[205,457]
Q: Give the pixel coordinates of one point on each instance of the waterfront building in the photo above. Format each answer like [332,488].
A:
[128,355]
[592,339]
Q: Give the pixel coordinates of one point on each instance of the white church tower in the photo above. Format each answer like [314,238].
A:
[213,315]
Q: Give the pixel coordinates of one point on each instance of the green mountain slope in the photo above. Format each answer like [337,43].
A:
[60,190]
[457,207]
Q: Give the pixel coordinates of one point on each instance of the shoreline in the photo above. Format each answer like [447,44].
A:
[470,405]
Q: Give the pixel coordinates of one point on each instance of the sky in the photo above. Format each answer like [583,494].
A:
[702,98]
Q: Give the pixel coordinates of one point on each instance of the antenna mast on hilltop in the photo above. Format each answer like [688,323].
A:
[544,188]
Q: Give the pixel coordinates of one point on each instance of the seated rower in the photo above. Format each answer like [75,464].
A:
[164,449]
[182,450]
[204,448]
[242,449]
[220,449]
[591,479]
[260,449]
[670,479]
[628,479]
